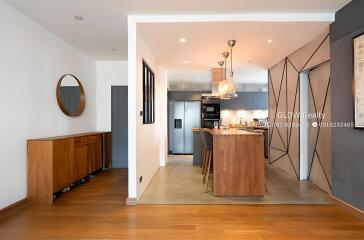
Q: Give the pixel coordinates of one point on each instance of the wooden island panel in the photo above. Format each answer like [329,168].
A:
[238,162]
[239,165]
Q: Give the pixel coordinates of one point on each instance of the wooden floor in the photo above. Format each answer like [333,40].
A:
[97,210]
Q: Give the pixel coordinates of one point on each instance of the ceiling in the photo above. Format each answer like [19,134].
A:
[190,62]
[105,21]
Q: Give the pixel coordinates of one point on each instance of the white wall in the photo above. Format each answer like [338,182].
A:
[32,60]
[150,138]
[147,143]
[161,102]
[304,131]
[109,73]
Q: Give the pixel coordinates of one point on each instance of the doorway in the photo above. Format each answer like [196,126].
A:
[119,126]
[315,146]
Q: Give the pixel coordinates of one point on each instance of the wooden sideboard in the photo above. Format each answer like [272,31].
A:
[58,162]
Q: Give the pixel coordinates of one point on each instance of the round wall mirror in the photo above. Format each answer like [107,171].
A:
[70,95]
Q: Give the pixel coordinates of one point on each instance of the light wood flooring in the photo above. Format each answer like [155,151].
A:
[96,210]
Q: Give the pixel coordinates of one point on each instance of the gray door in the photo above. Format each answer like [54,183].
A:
[119,126]
[192,120]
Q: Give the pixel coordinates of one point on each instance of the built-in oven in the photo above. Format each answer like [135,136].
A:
[211,123]
[211,108]
[210,115]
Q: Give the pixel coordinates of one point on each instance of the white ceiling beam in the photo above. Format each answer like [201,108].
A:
[246,17]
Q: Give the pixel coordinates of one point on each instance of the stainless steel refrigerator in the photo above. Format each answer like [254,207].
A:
[183,116]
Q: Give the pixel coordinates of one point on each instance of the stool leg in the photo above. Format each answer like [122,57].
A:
[207,175]
[203,155]
[205,161]
[212,180]
[204,168]
[265,184]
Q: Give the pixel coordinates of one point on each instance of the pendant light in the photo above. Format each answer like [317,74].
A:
[225,55]
[221,64]
[227,87]
[222,89]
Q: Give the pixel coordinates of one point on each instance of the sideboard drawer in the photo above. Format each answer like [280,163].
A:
[86,140]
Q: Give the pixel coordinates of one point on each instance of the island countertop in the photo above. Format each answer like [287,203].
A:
[238,162]
[226,132]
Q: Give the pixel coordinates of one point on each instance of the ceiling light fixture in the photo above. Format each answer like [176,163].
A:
[221,64]
[225,55]
[185,62]
[182,40]
[269,40]
[227,87]
[79,18]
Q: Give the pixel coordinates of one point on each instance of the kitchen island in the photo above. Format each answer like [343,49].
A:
[238,162]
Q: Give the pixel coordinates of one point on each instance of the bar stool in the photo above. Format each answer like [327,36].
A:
[204,153]
[207,160]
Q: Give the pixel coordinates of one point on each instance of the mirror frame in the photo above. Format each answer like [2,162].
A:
[81,106]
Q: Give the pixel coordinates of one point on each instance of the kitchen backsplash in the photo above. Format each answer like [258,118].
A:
[237,117]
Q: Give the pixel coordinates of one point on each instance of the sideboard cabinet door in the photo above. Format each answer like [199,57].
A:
[62,158]
[95,156]
[82,165]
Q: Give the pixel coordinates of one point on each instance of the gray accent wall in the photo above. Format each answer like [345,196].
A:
[245,100]
[184,95]
[71,97]
[347,143]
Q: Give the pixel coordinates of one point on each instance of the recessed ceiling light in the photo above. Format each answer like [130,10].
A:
[269,40]
[184,62]
[182,40]
[198,78]
[79,18]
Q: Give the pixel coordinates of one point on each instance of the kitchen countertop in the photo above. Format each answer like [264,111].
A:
[251,127]
[227,132]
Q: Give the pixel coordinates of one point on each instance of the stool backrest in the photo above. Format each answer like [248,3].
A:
[206,139]
[202,135]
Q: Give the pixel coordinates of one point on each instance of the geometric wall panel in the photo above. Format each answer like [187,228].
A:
[284,82]
[320,145]
[284,98]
